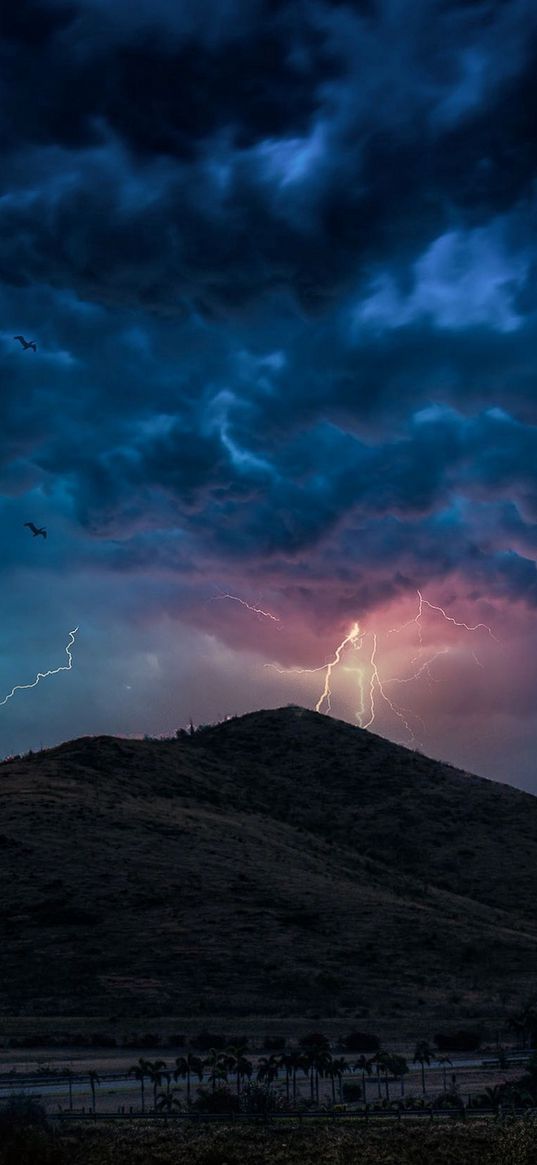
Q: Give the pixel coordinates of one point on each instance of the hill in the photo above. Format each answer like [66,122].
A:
[281,863]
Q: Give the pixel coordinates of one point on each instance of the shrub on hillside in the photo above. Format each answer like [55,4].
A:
[207,1039]
[458,1041]
[361,1042]
[274,1043]
[143,1040]
[314,1042]
[177,1040]
[101,1040]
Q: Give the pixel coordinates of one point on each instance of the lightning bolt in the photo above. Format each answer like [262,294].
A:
[43,675]
[326,693]
[450,619]
[376,686]
[375,680]
[249,607]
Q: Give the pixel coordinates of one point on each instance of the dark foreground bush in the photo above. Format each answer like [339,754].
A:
[220,1100]
[25,1135]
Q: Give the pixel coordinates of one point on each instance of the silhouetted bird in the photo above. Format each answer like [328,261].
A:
[35,530]
[26,343]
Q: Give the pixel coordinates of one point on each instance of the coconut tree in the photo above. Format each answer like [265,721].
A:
[308,1068]
[268,1068]
[398,1068]
[321,1065]
[364,1066]
[166,1101]
[384,1067]
[494,1095]
[94,1079]
[377,1061]
[217,1064]
[298,1061]
[444,1061]
[186,1067]
[285,1060]
[155,1073]
[69,1075]
[140,1071]
[236,1062]
[422,1055]
[335,1069]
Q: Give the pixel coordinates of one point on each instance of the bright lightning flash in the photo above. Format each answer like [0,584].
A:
[326,694]
[43,675]
[376,686]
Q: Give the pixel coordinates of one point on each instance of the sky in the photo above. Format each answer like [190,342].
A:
[280,263]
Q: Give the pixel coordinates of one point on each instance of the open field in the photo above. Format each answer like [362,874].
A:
[448,1143]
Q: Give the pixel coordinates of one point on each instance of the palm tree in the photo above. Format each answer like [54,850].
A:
[364,1066]
[297,1060]
[268,1068]
[444,1061]
[377,1060]
[140,1071]
[322,1063]
[94,1079]
[308,1067]
[384,1066]
[187,1066]
[524,1022]
[422,1055]
[398,1068]
[494,1095]
[236,1062]
[216,1062]
[335,1069]
[286,1060]
[69,1075]
[167,1101]
[155,1071]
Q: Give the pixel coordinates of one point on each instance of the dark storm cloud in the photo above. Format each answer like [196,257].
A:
[232,194]
[159,80]
[280,260]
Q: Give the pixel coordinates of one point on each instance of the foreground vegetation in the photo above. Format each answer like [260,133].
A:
[451,1143]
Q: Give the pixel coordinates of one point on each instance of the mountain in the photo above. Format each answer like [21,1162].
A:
[281,863]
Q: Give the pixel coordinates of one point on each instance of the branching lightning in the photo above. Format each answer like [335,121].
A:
[369,678]
[249,607]
[326,693]
[43,675]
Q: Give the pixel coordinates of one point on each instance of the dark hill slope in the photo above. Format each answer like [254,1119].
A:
[280,863]
[472,836]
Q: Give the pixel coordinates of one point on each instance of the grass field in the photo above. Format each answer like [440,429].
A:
[469,1143]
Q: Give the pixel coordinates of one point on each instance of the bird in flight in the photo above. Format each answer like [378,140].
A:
[26,343]
[35,530]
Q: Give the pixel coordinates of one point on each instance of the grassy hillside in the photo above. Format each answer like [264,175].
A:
[282,863]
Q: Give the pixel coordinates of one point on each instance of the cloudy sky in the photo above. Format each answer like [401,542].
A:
[280,262]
